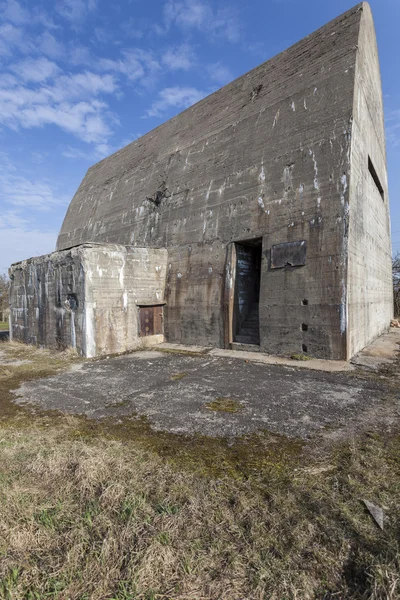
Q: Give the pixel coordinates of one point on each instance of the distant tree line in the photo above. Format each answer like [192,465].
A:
[4,302]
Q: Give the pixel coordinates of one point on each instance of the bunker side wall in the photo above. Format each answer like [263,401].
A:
[370,300]
[118,280]
[46,298]
[87,297]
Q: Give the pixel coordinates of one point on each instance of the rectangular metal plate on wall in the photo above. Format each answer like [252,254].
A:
[290,254]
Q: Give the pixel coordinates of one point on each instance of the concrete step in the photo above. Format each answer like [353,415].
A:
[245,347]
[247,339]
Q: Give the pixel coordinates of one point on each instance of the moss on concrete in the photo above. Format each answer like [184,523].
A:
[227,405]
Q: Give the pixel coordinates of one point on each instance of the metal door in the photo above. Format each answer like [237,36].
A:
[146,320]
[151,320]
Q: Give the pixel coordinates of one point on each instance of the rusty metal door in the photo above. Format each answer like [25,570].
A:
[146,321]
[151,320]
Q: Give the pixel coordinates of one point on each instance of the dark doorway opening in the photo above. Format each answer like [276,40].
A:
[246,323]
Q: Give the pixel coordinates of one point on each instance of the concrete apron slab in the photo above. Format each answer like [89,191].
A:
[315,364]
[382,351]
[177,392]
[183,348]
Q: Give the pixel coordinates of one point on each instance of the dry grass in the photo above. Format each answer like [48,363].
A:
[89,517]
[102,519]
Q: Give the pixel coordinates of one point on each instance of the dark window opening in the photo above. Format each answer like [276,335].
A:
[246,325]
[304,327]
[304,348]
[304,302]
[71,302]
[375,177]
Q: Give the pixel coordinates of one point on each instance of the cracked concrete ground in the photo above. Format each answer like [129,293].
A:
[172,390]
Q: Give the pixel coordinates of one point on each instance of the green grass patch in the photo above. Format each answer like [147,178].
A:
[4,326]
[226,405]
[300,357]
[177,376]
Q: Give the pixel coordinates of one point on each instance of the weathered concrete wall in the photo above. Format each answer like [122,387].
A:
[263,157]
[86,297]
[41,292]
[370,291]
[118,279]
[267,156]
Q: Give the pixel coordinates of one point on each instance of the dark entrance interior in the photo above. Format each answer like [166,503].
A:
[246,325]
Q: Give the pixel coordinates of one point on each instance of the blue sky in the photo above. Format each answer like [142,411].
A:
[82,78]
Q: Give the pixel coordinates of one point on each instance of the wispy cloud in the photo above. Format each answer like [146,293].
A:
[136,65]
[19,191]
[35,69]
[50,46]
[174,97]
[11,10]
[20,242]
[179,58]
[219,73]
[12,38]
[23,198]
[199,15]
[393,128]
[76,11]
[99,151]
[70,102]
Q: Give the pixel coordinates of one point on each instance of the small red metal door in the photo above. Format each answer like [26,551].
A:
[151,320]
[146,321]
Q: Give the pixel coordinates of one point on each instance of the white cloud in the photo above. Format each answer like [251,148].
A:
[14,12]
[134,28]
[219,73]
[75,11]
[17,190]
[174,97]
[181,57]
[35,69]
[11,38]
[50,46]
[70,103]
[19,236]
[187,13]
[199,15]
[13,219]
[393,128]
[80,55]
[99,151]
[18,243]
[136,64]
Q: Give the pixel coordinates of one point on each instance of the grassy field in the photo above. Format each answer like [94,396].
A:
[90,512]
[3,325]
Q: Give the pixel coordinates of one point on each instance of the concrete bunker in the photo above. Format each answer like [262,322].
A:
[259,215]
